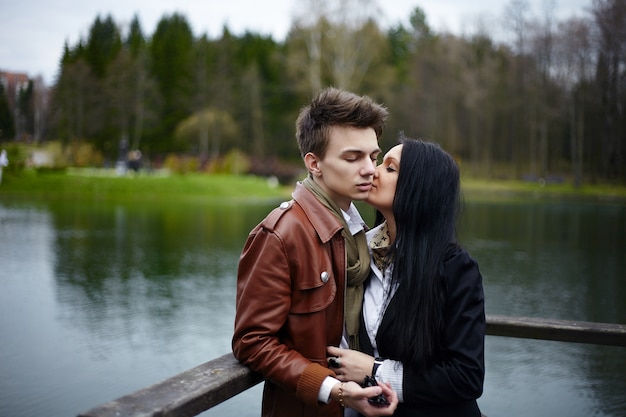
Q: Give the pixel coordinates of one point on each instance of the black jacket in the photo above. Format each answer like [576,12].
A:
[452,384]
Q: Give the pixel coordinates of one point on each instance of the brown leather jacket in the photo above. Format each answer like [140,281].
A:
[290,298]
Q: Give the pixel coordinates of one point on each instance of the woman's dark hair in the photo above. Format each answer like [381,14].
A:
[426,205]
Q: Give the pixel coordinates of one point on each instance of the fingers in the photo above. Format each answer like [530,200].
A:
[354,365]
[357,397]
[334,362]
[371,391]
[387,390]
[334,351]
[391,396]
[387,408]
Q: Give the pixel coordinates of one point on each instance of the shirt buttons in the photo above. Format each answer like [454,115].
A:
[324,276]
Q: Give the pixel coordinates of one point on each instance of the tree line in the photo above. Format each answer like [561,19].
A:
[547,105]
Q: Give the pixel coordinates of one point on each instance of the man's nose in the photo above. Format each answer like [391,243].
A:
[370,168]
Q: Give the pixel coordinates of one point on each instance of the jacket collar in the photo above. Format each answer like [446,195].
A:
[325,223]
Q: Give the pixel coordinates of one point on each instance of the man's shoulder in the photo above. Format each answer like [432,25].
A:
[303,213]
[275,216]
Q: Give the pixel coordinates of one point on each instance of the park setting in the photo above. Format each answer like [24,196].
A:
[130,181]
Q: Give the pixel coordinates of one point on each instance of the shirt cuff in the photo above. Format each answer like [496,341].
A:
[327,385]
[391,372]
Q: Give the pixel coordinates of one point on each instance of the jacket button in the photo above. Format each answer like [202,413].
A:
[324,276]
[284,205]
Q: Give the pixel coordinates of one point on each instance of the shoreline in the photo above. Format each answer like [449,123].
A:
[150,186]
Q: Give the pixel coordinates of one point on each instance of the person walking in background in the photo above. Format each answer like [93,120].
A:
[423,321]
[4,161]
[306,260]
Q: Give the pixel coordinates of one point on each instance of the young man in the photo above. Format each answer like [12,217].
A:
[307,260]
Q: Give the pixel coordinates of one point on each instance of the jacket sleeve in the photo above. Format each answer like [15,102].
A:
[264,290]
[458,374]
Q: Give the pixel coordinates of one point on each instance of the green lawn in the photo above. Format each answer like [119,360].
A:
[478,188]
[86,184]
[105,185]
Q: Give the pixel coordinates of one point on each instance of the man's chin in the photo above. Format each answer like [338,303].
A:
[362,196]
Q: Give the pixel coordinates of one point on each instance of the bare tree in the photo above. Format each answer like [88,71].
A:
[515,18]
[40,108]
[481,100]
[542,51]
[340,35]
[252,80]
[574,71]
[146,99]
[610,19]
[208,123]
[349,42]
[309,25]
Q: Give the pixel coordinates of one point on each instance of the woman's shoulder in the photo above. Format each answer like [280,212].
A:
[456,259]
[455,249]
[452,251]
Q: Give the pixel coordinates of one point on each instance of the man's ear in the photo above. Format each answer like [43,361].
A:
[312,163]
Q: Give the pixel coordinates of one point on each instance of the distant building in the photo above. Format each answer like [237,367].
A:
[30,123]
[13,83]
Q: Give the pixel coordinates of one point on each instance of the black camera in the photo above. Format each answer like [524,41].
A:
[379,400]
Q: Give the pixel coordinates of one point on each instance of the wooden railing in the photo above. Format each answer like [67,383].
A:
[203,387]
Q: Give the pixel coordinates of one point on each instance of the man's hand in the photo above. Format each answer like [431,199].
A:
[350,365]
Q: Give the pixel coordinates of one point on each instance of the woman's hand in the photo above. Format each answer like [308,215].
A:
[352,395]
[353,365]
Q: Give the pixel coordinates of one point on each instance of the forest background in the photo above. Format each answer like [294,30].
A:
[547,106]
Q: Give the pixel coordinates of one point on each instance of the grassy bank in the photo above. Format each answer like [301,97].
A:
[105,185]
[485,189]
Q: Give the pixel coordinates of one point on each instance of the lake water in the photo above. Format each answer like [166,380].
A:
[98,300]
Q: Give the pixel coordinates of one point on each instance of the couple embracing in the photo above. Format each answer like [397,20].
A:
[346,320]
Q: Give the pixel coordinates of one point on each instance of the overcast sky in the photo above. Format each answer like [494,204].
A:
[33,32]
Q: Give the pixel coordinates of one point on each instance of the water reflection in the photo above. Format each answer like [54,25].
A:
[551,259]
[99,300]
[140,275]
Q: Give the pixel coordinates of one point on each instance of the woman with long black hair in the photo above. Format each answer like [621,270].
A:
[423,323]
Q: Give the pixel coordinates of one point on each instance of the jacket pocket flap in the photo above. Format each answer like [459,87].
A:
[314,295]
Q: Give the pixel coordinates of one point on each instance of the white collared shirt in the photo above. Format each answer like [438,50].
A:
[377,295]
[374,304]
[353,219]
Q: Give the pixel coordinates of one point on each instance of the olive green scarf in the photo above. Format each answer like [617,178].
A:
[358,258]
